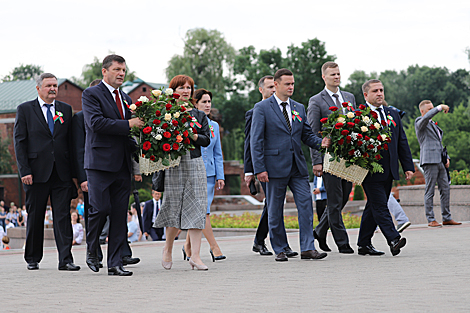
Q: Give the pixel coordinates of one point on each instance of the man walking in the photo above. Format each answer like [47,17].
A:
[434,162]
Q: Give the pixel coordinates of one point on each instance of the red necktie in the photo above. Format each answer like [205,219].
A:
[118,103]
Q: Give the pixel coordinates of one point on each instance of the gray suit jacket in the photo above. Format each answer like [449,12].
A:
[318,108]
[430,142]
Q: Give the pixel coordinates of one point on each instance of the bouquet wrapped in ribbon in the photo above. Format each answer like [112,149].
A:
[165,136]
[357,138]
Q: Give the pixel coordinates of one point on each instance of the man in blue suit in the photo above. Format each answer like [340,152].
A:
[377,186]
[108,166]
[278,127]
[151,209]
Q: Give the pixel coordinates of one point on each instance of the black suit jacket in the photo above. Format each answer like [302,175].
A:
[37,149]
[398,150]
[78,131]
[248,164]
[148,214]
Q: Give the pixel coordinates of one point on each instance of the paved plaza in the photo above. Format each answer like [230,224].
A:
[432,274]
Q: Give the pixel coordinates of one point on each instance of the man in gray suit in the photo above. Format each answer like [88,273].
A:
[278,127]
[432,161]
[337,189]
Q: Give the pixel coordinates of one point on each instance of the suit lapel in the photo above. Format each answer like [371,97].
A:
[326,97]
[127,112]
[278,112]
[37,109]
[110,99]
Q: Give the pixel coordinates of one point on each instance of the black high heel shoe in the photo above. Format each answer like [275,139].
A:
[217,258]
[184,255]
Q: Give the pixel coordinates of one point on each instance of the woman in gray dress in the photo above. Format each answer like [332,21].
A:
[185,197]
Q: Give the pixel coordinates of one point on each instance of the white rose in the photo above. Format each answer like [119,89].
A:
[133,107]
[341,119]
[350,115]
[365,119]
[176,115]
[167,116]
[363,129]
[377,125]
[143,99]
[158,137]
[168,91]
[156,93]
[384,137]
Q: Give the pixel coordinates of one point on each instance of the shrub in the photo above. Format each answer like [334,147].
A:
[358,193]
[460,178]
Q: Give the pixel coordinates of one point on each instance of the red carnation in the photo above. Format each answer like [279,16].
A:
[357,121]
[374,114]
[350,124]
[147,145]
[165,126]
[362,107]
[182,109]
[186,141]
[152,158]
[338,125]
[176,96]
[371,127]
[185,133]
[389,139]
[379,147]
[385,146]
[378,157]
[370,147]
[366,138]
[166,147]
[366,155]
[194,130]
[138,103]
[344,132]
[176,132]
[359,143]
[358,113]
[183,120]
[324,120]
[168,106]
[341,141]
[383,123]
[174,122]
[359,136]
[175,146]
[351,152]
[158,113]
[156,122]
[166,135]
[345,104]
[333,108]
[348,139]
[147,130]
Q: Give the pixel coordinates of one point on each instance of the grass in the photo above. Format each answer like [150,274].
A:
[249,220]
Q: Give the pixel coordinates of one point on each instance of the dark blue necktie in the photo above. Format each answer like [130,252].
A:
[50,119]
[382,115]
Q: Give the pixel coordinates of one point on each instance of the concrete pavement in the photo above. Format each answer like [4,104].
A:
[432,274]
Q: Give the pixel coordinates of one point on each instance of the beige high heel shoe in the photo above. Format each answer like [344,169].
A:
[198,266]
[166,265]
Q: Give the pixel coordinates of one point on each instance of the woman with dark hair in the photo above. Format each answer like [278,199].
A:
[214,163]
[185,197]
[77,228]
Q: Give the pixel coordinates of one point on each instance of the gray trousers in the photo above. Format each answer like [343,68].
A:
[396,210]
[436,173]
[337,194]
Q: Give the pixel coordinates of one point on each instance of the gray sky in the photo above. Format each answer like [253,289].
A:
[368,35]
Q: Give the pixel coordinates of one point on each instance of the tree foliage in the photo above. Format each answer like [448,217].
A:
[23,72]
[6,159]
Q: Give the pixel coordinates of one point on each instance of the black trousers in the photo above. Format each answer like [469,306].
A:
[263,227]
[37,194]
[320,206]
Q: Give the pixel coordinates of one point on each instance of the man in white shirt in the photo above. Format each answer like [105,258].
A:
[151,209]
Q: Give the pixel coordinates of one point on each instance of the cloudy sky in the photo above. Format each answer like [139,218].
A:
[370,35]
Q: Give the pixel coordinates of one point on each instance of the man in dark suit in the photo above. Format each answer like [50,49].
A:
[43,147]
[377,186]
[151,209]
[337,189]
[266,88]
[108,163]
[279,125]
[434,162]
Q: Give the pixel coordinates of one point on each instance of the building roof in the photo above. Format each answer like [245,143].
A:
[129,86]
[12,94]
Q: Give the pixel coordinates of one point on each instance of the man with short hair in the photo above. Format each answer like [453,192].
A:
[337,189]
[434,161]
[267,89]
[278,128]
[108,163]
[43,147]
[377,186]
[151,209]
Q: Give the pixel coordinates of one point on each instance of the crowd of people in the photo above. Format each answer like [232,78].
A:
[95,147]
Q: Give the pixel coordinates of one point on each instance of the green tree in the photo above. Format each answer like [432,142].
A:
[23,72]
[5,157]
[356,80]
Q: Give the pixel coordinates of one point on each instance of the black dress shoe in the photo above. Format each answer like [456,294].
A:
[100,265]
[369,250]
[261,249]
[396,244]
[127,260]
[93,262]
[321,242]
[33,266]
[69,267]
[312,254]
[345,249]
[290,253]
[281,257]
[118,271]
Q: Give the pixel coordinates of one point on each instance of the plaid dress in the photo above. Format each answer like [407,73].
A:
[185,197]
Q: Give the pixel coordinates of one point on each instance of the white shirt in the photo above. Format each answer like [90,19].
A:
[289,112]
[111,90]
[43,106]
[318,186]
[156,205]
[331,93]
